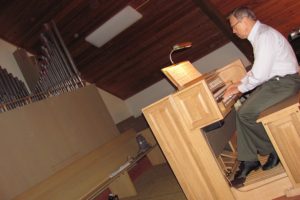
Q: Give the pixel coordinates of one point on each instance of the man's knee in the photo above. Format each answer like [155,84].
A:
[247,113]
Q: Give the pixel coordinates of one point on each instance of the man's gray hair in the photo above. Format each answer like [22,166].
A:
[241,12]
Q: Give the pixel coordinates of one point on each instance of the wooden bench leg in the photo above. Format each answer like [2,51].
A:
[292,192]
[123,186]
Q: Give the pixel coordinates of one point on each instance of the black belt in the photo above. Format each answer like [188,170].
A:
[285,76]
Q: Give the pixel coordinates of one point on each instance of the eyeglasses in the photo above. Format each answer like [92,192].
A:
[232,26]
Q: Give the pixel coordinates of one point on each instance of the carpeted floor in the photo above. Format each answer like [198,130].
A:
[159,183]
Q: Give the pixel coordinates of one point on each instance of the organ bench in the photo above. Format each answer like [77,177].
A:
[282,123]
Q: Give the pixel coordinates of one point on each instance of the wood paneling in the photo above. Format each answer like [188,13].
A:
[41,138]
[131,61]
[282,15]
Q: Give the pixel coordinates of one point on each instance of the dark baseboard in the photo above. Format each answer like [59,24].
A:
[136,123]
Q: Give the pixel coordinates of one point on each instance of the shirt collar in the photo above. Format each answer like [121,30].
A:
[253,31]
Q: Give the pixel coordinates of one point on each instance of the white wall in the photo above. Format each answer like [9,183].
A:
[220,57]
[8,61]
[116,106]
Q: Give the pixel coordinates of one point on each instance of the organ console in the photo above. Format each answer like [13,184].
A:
[179,123]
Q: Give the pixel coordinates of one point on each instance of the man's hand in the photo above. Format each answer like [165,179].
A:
[231,90]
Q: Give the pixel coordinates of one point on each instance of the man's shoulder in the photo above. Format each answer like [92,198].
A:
[266,31]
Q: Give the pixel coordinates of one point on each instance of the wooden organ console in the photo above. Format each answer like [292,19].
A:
[179,121]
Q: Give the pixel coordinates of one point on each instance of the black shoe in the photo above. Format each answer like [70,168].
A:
[244,169]
[272,161]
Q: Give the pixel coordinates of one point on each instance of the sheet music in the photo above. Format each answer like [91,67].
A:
[181,73]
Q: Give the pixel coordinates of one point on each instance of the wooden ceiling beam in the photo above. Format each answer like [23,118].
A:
[219,20]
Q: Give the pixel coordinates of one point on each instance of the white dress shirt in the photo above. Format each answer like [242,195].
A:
[273,56]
